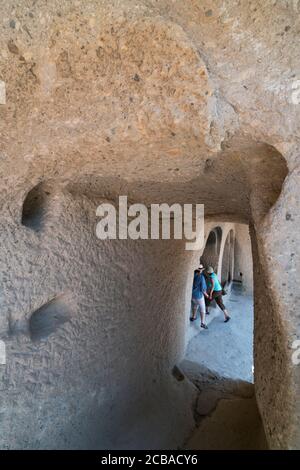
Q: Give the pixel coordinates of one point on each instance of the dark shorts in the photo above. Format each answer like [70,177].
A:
[217,296]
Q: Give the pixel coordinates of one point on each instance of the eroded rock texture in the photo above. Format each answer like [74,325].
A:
[165,101]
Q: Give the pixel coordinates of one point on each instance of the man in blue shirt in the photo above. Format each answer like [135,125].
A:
[198,294]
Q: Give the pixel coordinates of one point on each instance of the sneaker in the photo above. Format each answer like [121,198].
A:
[204,326]
[226,319]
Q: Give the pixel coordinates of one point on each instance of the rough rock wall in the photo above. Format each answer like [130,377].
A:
[169,101]
[102,377]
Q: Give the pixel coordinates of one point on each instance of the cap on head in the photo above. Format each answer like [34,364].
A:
[210,269]
[201,266]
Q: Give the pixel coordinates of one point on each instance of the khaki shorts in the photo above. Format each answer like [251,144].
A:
[217,296]
[200,303]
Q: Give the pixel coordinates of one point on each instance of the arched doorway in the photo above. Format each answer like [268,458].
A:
[228,260]
[210,256]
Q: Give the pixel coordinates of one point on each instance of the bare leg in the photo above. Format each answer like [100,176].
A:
[195,307]
[219,301]
[202,315]
[207,303]
[226,315]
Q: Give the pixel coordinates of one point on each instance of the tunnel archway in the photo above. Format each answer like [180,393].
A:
[102,113]
[227,262]
[233,354]
[210,255]
[75,232]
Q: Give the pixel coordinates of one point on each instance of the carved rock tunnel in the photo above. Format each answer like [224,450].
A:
[93,329]
[97,313]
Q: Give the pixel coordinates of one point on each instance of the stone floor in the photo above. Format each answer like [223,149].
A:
[219,363]
[226,348]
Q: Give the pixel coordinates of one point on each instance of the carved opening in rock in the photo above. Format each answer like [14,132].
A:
[48,318]
[211,252]
[228,260]
[35,207]
[234,355]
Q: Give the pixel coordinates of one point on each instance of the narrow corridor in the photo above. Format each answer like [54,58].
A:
[226,348]
[219,362]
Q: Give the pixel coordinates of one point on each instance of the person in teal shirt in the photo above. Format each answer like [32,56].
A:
[215,292]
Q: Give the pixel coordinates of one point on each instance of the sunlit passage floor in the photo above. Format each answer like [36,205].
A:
[219,362]
[226,348]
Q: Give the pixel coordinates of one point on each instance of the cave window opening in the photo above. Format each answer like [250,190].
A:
[211,252]
[34,210]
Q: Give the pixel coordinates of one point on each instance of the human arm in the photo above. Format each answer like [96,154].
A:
[212,287]
[204,288]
